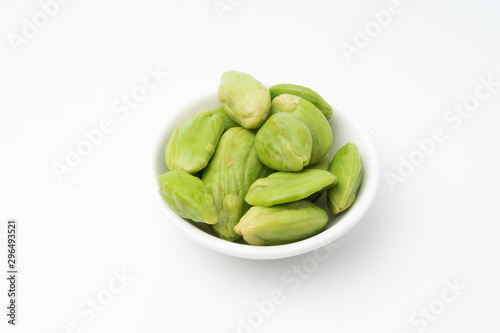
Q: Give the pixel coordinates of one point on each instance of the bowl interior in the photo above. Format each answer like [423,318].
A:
[345,129]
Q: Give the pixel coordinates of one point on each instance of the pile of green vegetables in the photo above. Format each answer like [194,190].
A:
[253,167]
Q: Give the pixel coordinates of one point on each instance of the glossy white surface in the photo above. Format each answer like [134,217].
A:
[436,225]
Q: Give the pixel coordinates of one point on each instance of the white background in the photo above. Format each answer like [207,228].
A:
[441,224]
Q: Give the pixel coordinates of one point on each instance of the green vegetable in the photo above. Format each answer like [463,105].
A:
[228,176]
[284,143]
[187,196]
[281,224]
[321,132]
[228,121]
[305,93]
[283,187]
[193,143]
[323,164]
[348,168]
[245,100]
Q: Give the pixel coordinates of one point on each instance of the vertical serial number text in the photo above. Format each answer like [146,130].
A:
[11,272]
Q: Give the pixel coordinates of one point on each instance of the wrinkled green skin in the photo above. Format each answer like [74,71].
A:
[284,103]
[187,196]
[304,92]
[193,143]
[228,121]
[245,100]
[283,187]
[281,224]
[348,168]
[321,132]
[233,168]
[284,143]
[323,164]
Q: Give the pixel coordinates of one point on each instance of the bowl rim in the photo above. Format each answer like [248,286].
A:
[371,179]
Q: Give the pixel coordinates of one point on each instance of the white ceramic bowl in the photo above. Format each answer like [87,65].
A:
[345,129]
